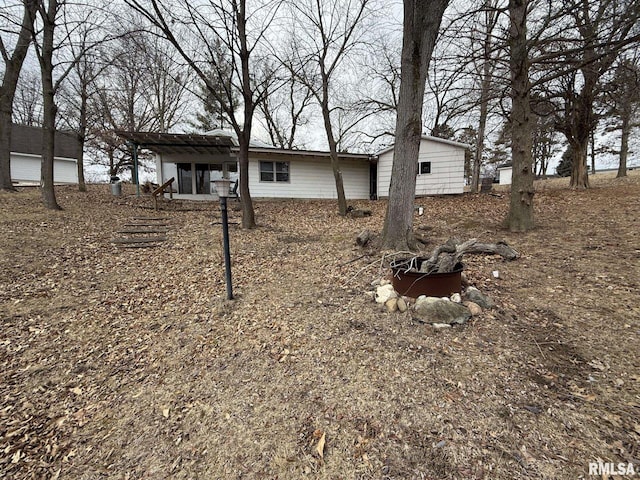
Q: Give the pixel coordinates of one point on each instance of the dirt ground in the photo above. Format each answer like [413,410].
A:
[127,364]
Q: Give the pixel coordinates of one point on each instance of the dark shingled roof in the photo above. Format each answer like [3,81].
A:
[25,139]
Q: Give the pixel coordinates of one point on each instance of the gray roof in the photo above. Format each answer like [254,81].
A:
[432,139]
[218,141]
[179,142]
[28,140]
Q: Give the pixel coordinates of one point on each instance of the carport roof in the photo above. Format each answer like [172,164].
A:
[179,142]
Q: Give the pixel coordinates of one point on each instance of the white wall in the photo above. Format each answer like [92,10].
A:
[505,175]
[447,169]
[26,168]
[308,177]
[312,178]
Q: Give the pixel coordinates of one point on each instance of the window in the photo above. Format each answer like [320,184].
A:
[425,167]
[274,171]
[184,178]
[203,184]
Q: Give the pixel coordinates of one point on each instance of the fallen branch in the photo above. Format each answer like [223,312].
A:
[444,258]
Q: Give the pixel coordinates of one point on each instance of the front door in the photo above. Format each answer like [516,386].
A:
[203,184]
[198,178]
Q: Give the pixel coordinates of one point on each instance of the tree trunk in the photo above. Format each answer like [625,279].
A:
[82,186]
[333,147]
[624,148]
[592,141]
[485,87]
[248,214]
[5,142]
[244,136]
[49,108]
[579,173]
[520,216]
[82,132]
[420,30]
[12,67]
[583,122]
[482,123]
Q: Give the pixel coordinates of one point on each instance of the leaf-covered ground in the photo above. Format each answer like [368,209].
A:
[127,363]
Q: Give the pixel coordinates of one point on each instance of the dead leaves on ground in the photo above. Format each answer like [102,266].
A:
[103,347]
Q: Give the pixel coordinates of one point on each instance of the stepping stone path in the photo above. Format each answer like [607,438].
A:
[142,232]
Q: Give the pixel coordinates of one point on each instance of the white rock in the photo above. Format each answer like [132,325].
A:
[496,274]
[392,305]
[402,305]
[384,281]
[456,297]
[440,326]
[474,308]
[384,293]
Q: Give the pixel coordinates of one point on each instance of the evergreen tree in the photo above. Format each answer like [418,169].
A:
[566,163]
[212,115]
[443,131]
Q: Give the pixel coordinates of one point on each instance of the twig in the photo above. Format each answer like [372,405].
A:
[538,345]
[382,263]
[353,260]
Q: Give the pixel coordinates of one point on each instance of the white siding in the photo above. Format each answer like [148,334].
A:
[312,178]
[505,175]
[26,168]
[447,169]
[169,170]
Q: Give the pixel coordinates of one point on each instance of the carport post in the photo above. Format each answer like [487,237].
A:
[135,167]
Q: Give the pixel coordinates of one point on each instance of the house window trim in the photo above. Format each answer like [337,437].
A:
[275,173]
[420,168]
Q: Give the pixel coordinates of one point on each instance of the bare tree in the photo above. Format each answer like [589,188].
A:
[135,87]
[599,31]
[520,216]
[283,111]
[447,94]
[623,98]
[420,31]
[48,11]
[486,69]
[57,28]
[241,32]
[13,61]
[80,87]
[326,32]
[27,106]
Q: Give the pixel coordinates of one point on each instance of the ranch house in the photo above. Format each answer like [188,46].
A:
[196,161]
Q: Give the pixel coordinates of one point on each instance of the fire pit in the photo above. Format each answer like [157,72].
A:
[409,281]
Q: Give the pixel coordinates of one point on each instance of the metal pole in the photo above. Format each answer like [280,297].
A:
[135,167]
[227,253]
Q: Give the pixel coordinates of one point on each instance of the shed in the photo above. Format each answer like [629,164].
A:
[440,167]
[504,173]
[26,155]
